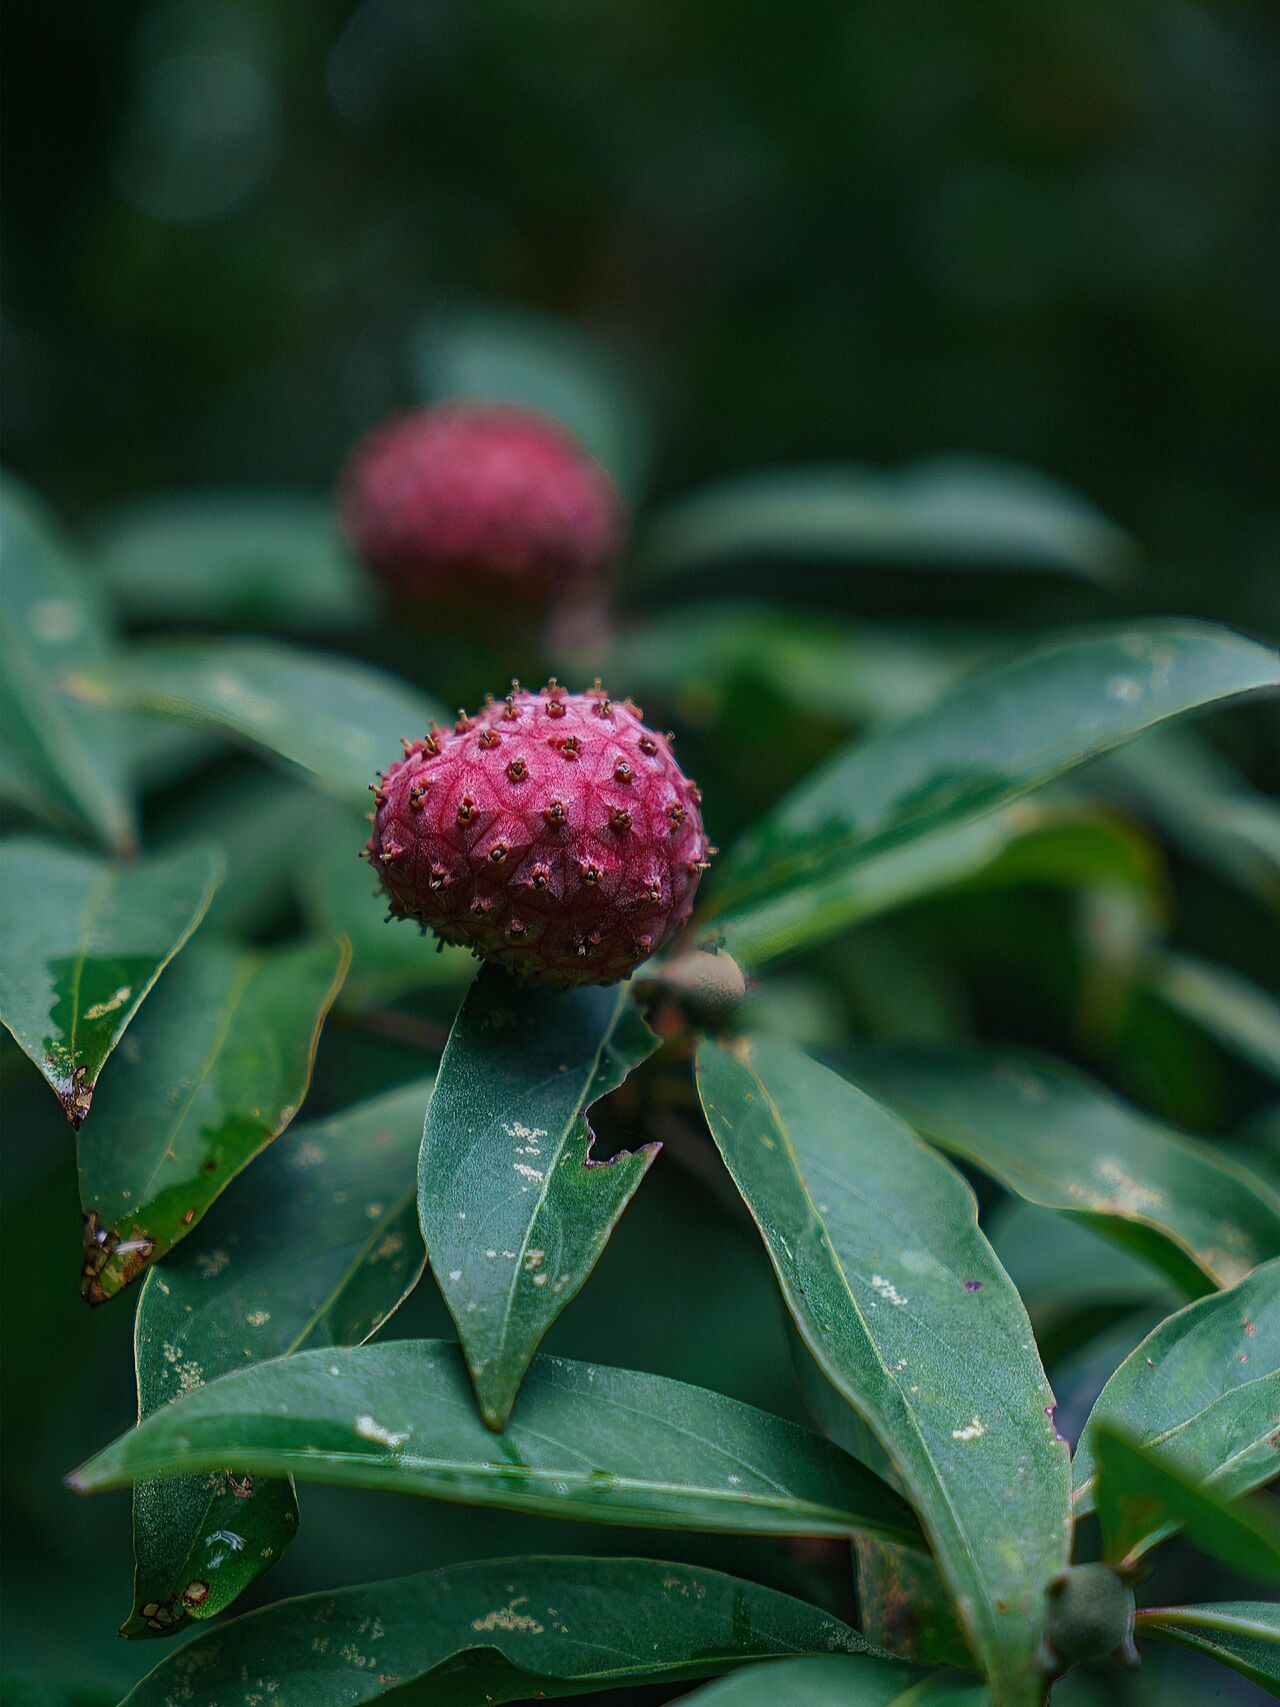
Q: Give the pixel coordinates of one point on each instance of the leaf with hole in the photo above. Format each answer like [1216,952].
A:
[215,1069]
[514,1209]
[85,940]
[906,1310]
[318,1246]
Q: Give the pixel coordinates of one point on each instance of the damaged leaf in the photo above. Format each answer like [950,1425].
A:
[1062,1141]
[215,1069]
[498,1630]
[909,1315]
[317,1247]
[85,939]
[514,1210]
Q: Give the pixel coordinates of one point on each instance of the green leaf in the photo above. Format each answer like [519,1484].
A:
[505,354]
[84,941]
[608,1445]
[252,815]
[949,513]
[514,1210]
[497,1630]
[986,742]
[1203,1389]
[246,559]
[1062,1141]
[334,719]
[1141,1497]
[1242,1634]
[52,621]
[216,1068]
[1038,1247]
[1202,803]
[317,1248]
[835,1681]
[1238,1014]
[1029,842]
[695,657]
[911,1318]
[389,957]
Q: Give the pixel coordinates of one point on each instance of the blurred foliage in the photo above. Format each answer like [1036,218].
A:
[233,227]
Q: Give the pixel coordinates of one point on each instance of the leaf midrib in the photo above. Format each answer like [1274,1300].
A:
[891,1387]
[197,1463]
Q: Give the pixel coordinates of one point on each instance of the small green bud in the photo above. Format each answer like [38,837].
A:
[706,987]
[1091,1616]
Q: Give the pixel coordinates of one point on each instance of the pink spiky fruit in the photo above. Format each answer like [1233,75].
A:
[553,833]
[465,501]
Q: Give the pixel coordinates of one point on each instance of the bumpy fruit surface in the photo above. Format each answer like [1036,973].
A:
[553,833]
[461,502]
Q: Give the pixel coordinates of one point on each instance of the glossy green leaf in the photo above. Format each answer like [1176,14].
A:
[52,621]
[1062,1141]
[496,1631]
[514,1210]
[1141,1497]
[336,720]
[1028,842]
[609,1445]
[390,957]
[247,559]
[504,354]
[1241,1634]
[950,513]
[84,941]
[835,1681]
[1242,1017]
[216,1067]
[1203,1390]
[317,1247]
[986,742]
[911,1318]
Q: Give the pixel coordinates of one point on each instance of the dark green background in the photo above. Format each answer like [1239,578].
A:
[818,230]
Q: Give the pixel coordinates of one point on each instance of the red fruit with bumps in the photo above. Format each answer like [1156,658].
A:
[463,501]
[554,833]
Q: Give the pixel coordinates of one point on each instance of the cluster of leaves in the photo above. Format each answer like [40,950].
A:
[169,971]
